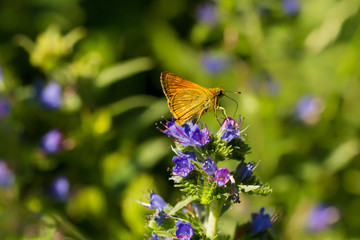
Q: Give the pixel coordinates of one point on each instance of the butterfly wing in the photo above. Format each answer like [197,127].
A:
[172,83]
[189,103]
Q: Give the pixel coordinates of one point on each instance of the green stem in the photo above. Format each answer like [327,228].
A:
[214,212]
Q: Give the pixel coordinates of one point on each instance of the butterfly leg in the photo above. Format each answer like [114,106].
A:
[201,113]
[224,112]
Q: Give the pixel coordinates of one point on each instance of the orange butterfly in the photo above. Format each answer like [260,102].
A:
[188,100]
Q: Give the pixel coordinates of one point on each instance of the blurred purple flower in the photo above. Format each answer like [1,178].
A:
[291,7]
[322,216]
[60,188]
[260,222]
[7,177]
[209,166]
[213,63]
[51,95]
[184,230]
[189,134]
[154,237]
[222,176]
[52,141]
[273,87]
[156,202]
[230,129]
[183,164]
[309,109]
[4,107]
[206,13]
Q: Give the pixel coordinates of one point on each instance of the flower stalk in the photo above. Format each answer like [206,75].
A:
[213,218]
[207,190]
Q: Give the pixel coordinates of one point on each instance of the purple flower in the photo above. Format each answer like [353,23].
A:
[199,137]
[209,166]
[7,177]
[184,230]
[52,141]
[160,217]
[260,222]
[189,134]
[213,64]
[247,171]
[4,107]
[60,188]
[230,129]
[322,216]
[51,95]
[206,13]
[273,87]
[222,176]
[183,164]
[309,109]
[156,202]
[291,7]
[154,237]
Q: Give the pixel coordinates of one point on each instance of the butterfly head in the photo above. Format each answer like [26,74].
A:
[219,92]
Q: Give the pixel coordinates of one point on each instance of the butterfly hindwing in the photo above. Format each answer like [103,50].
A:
[188,103]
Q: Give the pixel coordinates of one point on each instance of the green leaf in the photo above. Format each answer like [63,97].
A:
[182,204]
[255,189]
[123,70]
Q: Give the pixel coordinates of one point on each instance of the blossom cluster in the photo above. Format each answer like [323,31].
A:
[200,174]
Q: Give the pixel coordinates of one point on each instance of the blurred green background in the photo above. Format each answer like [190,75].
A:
[80,94]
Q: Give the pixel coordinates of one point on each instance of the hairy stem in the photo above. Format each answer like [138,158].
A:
[214,212]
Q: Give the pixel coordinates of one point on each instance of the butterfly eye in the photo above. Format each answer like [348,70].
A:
[219,93]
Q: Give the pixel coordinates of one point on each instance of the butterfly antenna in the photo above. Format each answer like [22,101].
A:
[237,105]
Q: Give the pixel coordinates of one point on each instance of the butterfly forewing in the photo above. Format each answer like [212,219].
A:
[172,83]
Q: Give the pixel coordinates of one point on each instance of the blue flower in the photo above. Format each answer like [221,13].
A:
[183,164]
[309,109]
[7,177]
[206,13]
[4,107]
[209,166]
[189,134]
[291,7]
[213,64]
[184,230]
[260,222]
[246,171]
[51,95]
[52,141]
[199,137]
[154,237]
[156,202]
[230,129]
[160,217]
[322,216]
[222,176]
[60,188]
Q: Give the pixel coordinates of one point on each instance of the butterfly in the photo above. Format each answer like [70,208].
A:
[188,100]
